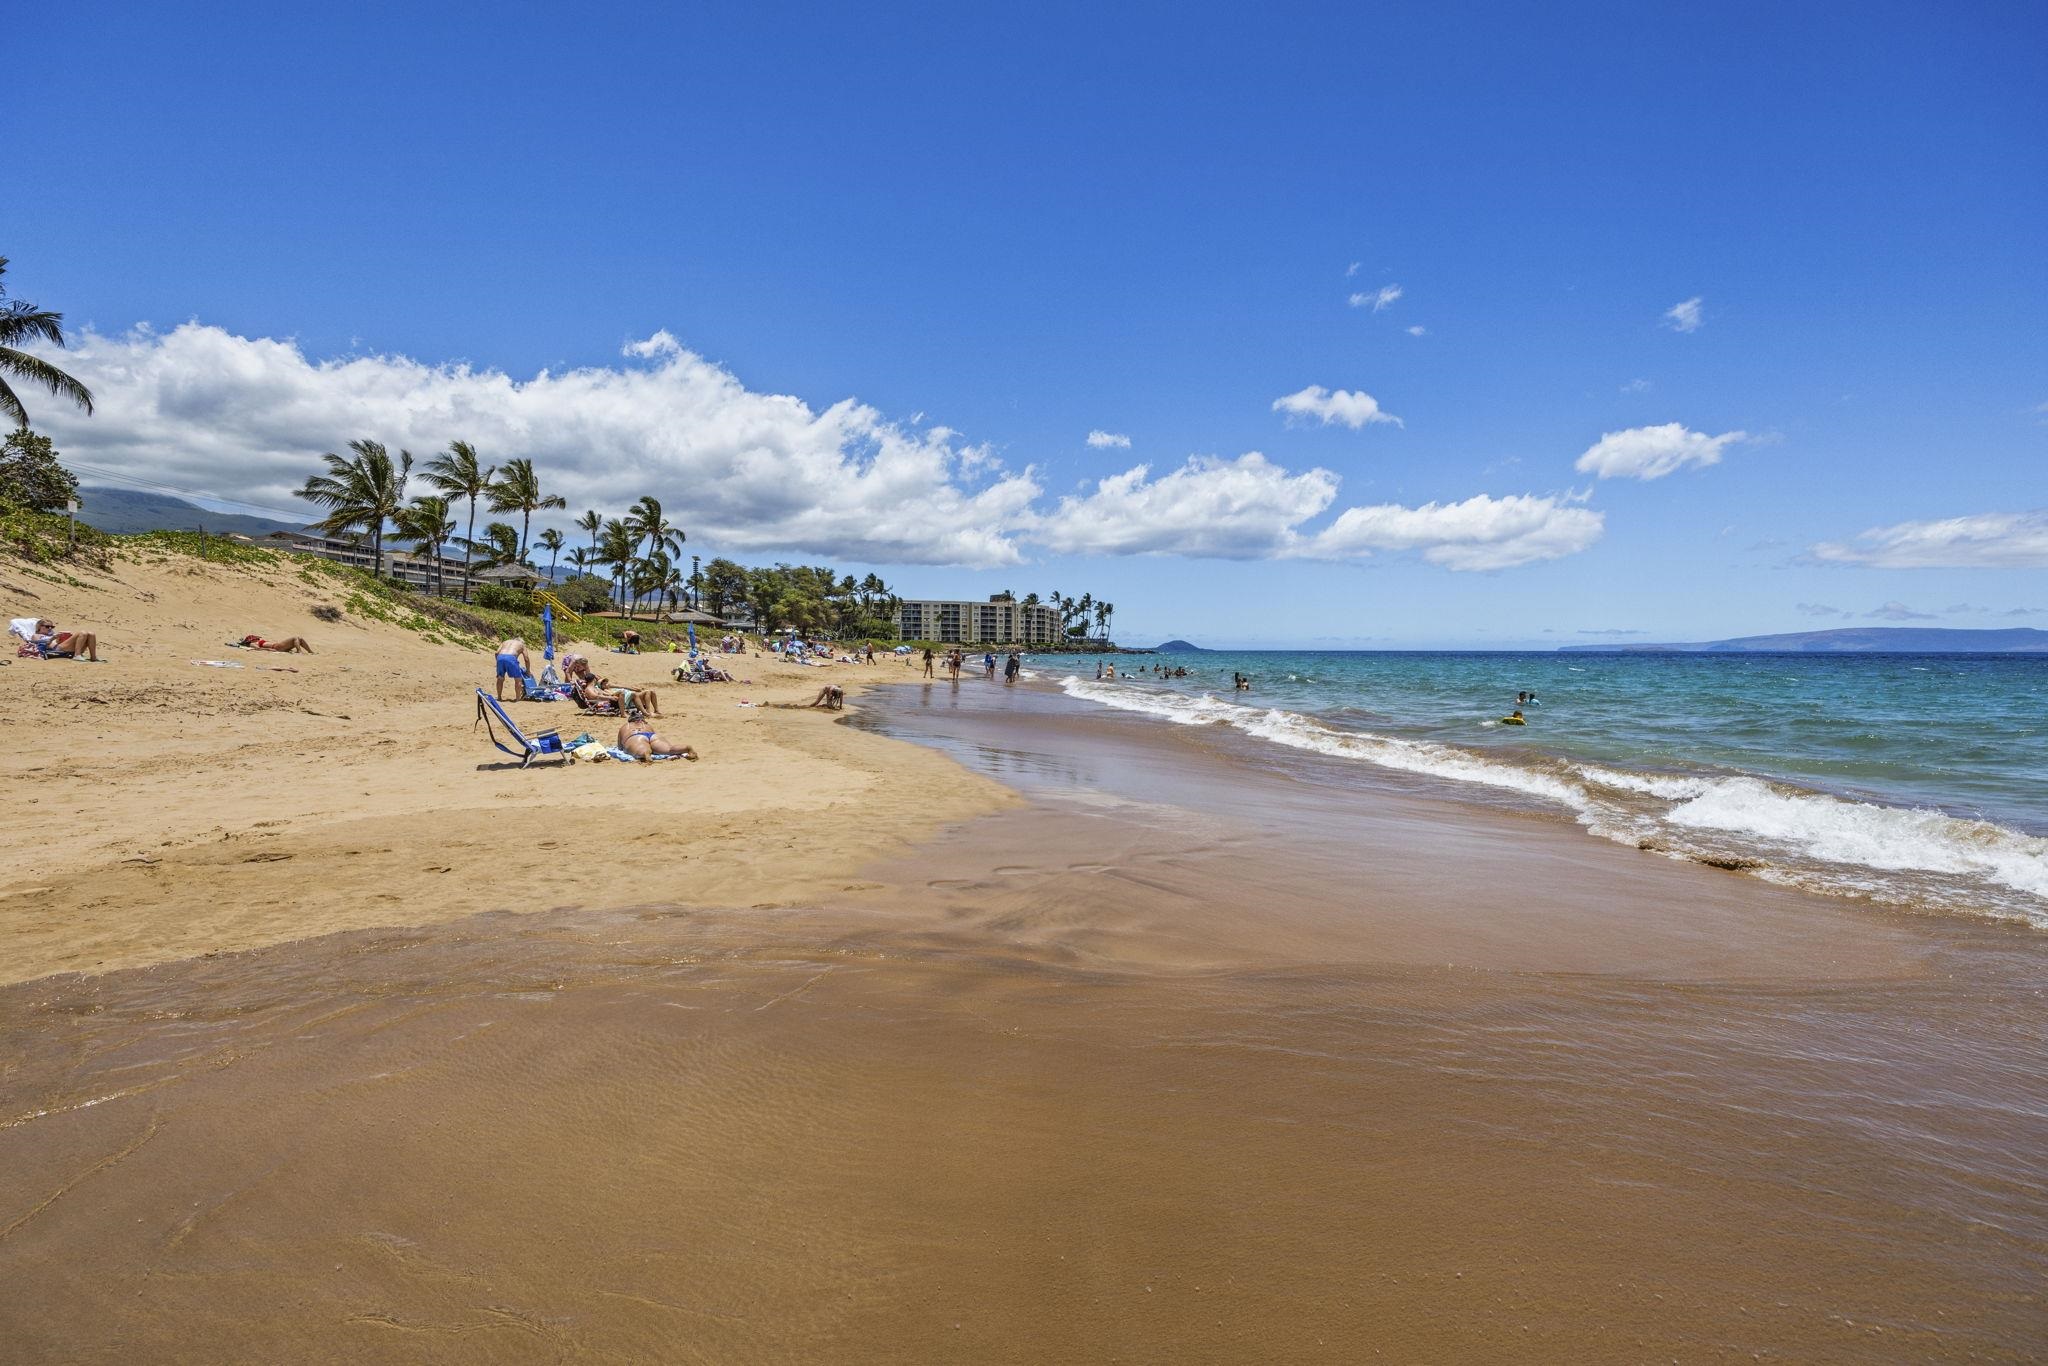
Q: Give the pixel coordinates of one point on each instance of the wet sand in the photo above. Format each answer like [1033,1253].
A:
[1183,1059]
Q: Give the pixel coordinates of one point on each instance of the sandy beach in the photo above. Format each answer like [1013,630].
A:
[973,1027]
[168,809]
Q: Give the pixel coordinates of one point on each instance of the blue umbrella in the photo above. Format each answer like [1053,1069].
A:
[547,627]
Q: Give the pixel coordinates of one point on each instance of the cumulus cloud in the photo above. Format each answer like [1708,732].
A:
[199,408]
[1818,609]
[1348,407]
[1482,532]
[1653,452]
[1685,316]
[1376,299]
[1102,440]
[203,409]
[1991,540]
[1898,611]
[1247,508]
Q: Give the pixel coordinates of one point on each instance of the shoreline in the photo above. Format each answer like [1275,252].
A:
[972,1024]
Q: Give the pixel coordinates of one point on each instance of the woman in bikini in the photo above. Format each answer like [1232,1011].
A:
[642,743]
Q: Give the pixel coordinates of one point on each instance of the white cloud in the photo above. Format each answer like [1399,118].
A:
[1652,452]
[1417,330]
[1818,609]
[1636,386]
[202,409]
[1898,611]
[1376,299]
[1685,316]
[1483,532]
[1102,440]
[1251,508]
[1991,540]
[1247,508]
[1352,270]
[1349,407]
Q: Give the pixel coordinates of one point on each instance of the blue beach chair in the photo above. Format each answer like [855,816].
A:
[490,716]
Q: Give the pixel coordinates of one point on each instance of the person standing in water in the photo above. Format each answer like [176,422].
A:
[1012,668]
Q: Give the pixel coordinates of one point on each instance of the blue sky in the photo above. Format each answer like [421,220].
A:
[1021,228]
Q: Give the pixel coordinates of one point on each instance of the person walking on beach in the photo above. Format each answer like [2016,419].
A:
[513,663]
[988,665]
[927,661]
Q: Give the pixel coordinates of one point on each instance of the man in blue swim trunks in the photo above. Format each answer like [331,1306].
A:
[513,663]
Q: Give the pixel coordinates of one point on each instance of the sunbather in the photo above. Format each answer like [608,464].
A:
[289,645]
[51,643]
[592,688]
[643,743]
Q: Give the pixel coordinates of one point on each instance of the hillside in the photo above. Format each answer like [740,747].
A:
[123,512]
[1853,640]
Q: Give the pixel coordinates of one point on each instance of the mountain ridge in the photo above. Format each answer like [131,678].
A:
[1851,640]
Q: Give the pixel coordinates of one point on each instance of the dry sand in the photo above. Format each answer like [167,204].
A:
[160,809]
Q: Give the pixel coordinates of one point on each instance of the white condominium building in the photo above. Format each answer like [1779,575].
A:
[999,621]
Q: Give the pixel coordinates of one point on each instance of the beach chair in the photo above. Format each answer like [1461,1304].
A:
[491,716]
[598,706]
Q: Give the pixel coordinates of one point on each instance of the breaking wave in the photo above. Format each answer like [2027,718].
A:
[1912,856]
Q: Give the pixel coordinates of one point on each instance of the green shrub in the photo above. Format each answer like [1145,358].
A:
[497,597]
[585,593]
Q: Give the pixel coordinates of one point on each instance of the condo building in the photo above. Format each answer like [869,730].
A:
[999,621]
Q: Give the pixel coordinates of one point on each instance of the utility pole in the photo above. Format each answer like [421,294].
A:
[695,589]
[70,524]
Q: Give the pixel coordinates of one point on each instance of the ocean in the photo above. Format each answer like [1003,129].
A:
[1910,780]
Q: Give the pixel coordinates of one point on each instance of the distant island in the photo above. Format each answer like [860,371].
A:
[1178,647]
[123,512]
[1852,640]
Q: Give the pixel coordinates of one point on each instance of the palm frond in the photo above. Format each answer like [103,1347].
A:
[34,369]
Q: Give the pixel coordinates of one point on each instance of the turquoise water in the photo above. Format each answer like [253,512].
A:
[1910,779]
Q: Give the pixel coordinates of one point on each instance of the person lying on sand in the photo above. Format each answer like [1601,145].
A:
[513,663]
[642,743]
[52,643]
[289,645]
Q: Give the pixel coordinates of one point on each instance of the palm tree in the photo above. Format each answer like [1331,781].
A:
[615,548]
[550,540]
[1104,611]
[427,524]
[517,489]
[459,474]
[498,548]
[362,493]
[21,321]
[592,522]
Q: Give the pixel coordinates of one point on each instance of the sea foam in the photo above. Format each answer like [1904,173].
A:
[1808,838]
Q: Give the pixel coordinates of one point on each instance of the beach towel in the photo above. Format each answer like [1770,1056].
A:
[219,664]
